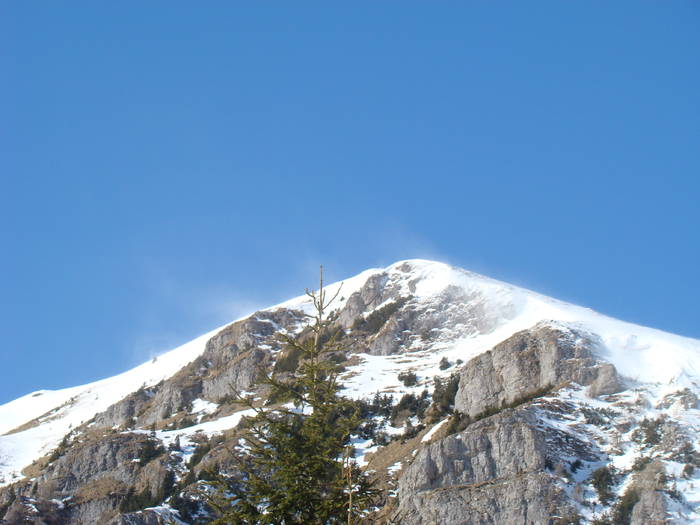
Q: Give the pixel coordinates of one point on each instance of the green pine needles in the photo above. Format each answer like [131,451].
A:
[295,462]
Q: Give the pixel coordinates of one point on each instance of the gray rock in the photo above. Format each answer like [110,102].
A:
[492,473]
[606,381]
[112,456]
[531,499]
[529,361]
[373,293]
[651,508]
[144,517]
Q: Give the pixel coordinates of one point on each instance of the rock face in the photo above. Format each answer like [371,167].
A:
[95,476]
[492,473]
[505,446]
[651,508]
[530,361]
[496,471]
[144,517]
[530,500]
[231,361]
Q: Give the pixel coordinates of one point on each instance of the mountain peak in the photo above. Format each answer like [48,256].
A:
[415,316]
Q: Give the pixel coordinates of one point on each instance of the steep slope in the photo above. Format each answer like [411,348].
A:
[35,424]
[544,395]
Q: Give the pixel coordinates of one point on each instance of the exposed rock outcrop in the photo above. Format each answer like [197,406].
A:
[651,508]
[530,361]
[494,472]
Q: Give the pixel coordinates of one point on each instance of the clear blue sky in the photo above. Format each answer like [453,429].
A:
[166,167]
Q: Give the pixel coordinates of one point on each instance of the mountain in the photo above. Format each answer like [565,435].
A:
[508,407]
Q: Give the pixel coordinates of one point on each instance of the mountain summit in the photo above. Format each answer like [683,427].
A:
[500,406]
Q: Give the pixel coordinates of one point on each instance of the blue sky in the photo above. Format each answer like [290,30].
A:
[166,168]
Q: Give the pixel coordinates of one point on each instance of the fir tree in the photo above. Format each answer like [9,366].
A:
[295,464]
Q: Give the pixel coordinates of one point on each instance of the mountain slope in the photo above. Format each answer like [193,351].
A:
[33,425]
[435,321]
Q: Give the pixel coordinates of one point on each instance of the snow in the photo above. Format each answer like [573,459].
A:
[208,428]
[663,362]
[62,410]
[644,354]
[393,469]
[201,407]
[429,435]
[363,447]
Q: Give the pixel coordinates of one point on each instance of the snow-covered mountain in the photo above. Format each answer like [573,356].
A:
[591,392]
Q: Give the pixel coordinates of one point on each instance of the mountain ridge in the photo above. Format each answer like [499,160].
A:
[438,314]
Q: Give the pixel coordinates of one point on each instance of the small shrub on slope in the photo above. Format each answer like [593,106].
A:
[603,480]
[375,320]
[444,394]
[408,378]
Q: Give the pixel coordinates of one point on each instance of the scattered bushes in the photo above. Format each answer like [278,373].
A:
[445,364]
[227,399]
[526,398]
[380,408]
[381,405]
[649,431]
[548,464]
[208,474]
[622,512]
[411,431]
[201,450]
[134,501]
[375,320]
[604,519]
[150,450]
[687,454]
[188,479]
[674,493]
[175,445]
[640,463]
[188,508]
[598,416]
[59,450]
[410,405]
[457,423]
[368,429]
[444,394]
[167,486]
[408,378]
[381,438]
[652,430]
[603,480]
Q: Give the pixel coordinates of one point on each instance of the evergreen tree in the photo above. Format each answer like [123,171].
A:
[296,464]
